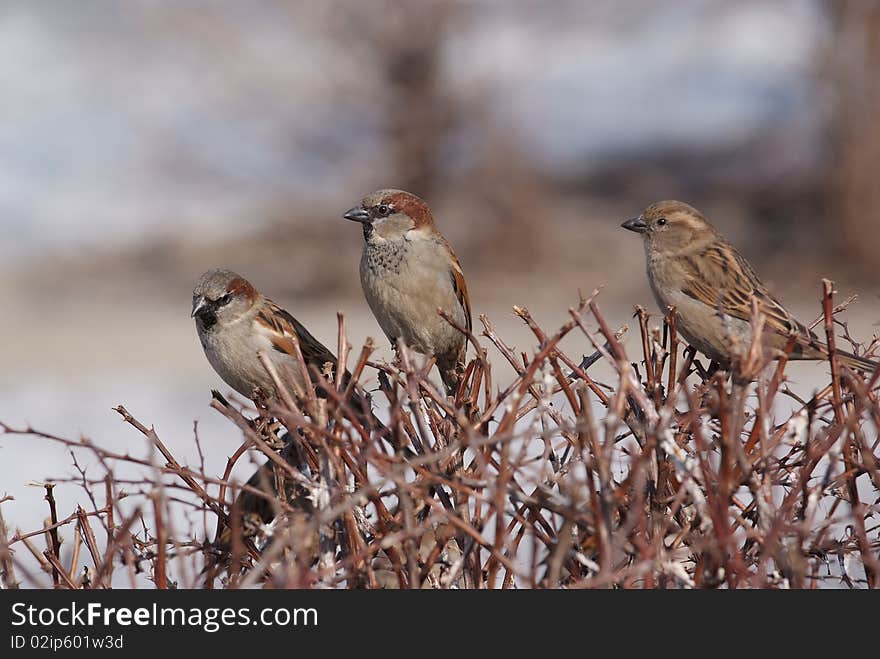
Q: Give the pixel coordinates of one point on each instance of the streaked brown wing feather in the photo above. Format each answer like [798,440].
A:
[461,291]
[721,278]
[283,326]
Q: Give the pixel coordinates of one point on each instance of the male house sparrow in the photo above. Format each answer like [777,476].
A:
[408,271]
[692,267]
[235,321]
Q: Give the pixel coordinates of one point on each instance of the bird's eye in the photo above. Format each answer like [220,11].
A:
[223,299]
[383,210]
[661,222]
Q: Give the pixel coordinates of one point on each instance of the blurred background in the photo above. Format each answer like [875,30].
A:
[144,142]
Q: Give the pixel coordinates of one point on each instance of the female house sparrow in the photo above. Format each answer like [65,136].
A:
[408,271]
[691,266]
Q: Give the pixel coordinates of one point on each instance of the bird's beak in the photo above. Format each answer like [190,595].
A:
[199,303]
[357,214]
[636,224]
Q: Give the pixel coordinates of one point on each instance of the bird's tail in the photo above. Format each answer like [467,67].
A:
[855,362]
[816,349]
[452,368]
[451,379]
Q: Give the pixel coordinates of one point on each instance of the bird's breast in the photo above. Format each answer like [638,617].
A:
[404,286]
[384,258]
[714,334]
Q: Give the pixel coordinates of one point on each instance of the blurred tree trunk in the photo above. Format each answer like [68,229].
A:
[853,184]
[428,127]
[420,112]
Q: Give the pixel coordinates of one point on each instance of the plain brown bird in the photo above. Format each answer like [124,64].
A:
[408,272]
[692,267]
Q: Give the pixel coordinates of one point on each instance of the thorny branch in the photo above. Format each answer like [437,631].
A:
[663,476]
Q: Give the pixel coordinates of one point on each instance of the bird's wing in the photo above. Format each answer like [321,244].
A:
[722,279]
[281,327]
[459,285]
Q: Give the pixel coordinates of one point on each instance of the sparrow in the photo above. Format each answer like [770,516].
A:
[234,322]
[408,271]
[693,268]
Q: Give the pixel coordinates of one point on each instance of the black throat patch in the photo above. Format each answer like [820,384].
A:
[207,318]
